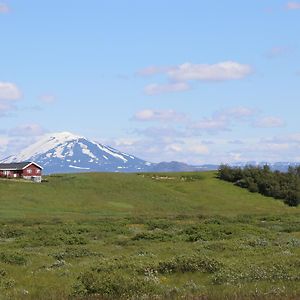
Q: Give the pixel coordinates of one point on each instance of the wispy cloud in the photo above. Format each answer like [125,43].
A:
[154,89]
[159,115]
[269,122]
[238,112]
[9,94]
[31,129]
[4,8]
[179,77]
[293,5]
[9,91]
[228,70]
[159,148]
[222,120]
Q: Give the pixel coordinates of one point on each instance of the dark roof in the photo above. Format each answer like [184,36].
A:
[17,166]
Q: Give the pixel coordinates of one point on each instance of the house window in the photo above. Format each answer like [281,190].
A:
[29,171]
[38,171]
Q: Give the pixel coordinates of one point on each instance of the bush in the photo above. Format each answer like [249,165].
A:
[113,285]
[74,253]
[157,235]
[285,186]
[184,264]
[13,258]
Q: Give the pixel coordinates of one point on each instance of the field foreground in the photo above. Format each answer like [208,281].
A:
[162,236]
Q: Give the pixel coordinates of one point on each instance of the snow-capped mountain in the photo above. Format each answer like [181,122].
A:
[65,152]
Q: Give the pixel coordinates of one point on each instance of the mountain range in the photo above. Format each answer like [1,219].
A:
[65,152]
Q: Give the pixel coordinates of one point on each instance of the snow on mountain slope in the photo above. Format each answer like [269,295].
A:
[65,152]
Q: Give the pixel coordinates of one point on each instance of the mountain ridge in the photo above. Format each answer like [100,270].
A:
[64,152]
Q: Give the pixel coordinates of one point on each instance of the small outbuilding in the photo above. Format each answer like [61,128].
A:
[26,170]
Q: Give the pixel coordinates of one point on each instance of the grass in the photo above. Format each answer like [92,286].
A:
[166,236]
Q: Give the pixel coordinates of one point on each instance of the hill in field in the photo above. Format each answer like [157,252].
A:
[146,236]
[99,194]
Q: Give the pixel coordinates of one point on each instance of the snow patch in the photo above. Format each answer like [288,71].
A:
[86,151]
[110,152]
[80,168]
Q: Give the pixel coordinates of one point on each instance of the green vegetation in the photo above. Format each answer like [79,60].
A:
[145,236]
[276,184]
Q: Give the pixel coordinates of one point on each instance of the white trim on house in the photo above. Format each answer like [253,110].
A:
[17,169]
[32,163]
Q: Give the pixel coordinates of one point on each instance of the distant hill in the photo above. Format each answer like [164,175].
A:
[173,166]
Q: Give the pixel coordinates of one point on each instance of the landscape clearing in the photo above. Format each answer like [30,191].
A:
[168,236]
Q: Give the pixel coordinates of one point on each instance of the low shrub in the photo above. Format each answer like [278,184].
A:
[255,273]
[72,252]
[190,178]
[113,285]
[13,258]
[10,232]
[157,235]
[184,264]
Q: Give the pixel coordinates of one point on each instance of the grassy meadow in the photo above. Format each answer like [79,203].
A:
[145,236]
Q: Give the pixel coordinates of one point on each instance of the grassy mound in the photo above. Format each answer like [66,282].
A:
[130,236]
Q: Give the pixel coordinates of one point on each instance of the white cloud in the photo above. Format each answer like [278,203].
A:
[269,122]
[228,70]
[4,8]
[238,112]
[293,5]
[27,130]
[174,148]
[159,115]
[159,148]
[210,124]
[293,138]
[197,148]
[180,76]
[235,157]
[9,91]
[222,120]
[187,147]
[3,143]
[154,89]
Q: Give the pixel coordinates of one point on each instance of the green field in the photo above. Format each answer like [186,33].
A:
[145,236]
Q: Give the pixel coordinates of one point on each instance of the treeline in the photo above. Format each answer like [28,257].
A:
[285,186]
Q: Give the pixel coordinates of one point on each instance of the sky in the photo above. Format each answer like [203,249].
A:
[193,81]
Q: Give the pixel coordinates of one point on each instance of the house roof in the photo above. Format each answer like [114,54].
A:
[17,166]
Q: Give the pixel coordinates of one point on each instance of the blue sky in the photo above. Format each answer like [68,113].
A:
[195,81]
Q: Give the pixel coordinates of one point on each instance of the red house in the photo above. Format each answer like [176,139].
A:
[27,170]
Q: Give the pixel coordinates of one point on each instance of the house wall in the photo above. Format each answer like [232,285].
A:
[32,170]
[11,174]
